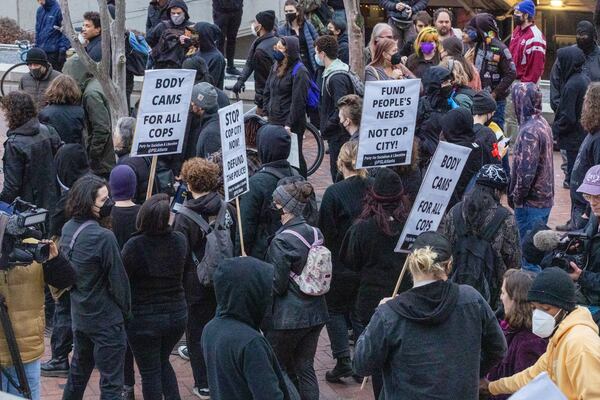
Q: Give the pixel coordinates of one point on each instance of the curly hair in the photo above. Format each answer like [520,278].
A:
[516,285]
[18,107]
[328,45]
[63,90]
[201,175]
[590,117]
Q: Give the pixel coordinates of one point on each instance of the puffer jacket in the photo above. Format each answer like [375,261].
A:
[310,36]
[532,172]
[293,309]
[47,37]
[37,87]
[29,170]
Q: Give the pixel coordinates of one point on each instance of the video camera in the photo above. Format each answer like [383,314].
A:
[25,220]
[571,249]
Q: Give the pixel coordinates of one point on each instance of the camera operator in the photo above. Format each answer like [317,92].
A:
[22,287]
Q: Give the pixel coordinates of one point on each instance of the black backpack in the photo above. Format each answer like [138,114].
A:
[473,256]
[168,52]
[136,54]
[270,217]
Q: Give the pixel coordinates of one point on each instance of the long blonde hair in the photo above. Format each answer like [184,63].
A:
[461,77]
[347,159]
[423,262]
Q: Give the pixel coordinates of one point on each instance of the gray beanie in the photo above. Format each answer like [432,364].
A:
[290,204]
[204,95]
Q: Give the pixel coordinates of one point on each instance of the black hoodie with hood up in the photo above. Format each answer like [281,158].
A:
[154,35]
[274,145]
[240,362]
[426,342]
[208,34]
[567,127]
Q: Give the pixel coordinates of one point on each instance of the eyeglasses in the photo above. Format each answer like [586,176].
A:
[385,37]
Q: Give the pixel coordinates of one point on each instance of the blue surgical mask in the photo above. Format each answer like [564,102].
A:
[472,35]
[278,55]
[319,62]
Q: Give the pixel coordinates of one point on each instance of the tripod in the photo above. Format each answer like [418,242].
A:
[15,355]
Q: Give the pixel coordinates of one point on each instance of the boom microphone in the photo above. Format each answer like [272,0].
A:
[547,240]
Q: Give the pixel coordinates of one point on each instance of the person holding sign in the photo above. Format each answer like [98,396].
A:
[434,340]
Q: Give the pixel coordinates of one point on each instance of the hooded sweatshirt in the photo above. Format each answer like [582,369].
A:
[572,360]
[208,34]
[274,145]
[335,84]
[47,37]
[240,362]
[532,172]
[154,35]
[567,121]
[426,342]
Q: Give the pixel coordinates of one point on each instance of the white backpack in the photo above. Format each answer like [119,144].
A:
[315,278]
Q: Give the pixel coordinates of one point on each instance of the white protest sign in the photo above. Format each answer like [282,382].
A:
[294,157]
[541,387]
[233,144]
[163,111]
[387,127]
[435,193]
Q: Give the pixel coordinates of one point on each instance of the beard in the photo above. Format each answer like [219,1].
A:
[444,30]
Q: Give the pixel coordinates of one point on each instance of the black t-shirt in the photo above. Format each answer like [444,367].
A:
[123,222]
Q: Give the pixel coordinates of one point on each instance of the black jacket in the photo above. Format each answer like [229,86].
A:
[71,163]
[342,203]
[273,149]
[293,309]
[94,48]
[68,120]
[486,138]
[567,127]
[590,278]
[240,362]
[343,48]
[367,250]
[100,297]
[431,342]
[208,52]
[285,97]
[588,156]
[207,206]
[227,5]
[156,14]
[209,136]
[431,109]
[153,36]
[29,164]
[260,61]
[419,66]
[415,5]
[333,87]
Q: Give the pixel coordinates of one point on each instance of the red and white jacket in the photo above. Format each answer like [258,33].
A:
[528,49]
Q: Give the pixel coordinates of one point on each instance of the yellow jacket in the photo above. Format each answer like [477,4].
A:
[572,360]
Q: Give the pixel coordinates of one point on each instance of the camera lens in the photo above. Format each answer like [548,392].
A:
[42,252]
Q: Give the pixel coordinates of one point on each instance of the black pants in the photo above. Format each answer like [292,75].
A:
[61,340]
[229,23]
[49,307]
[303,166]
[128,371]
[295,350]
[198,316]
[104,349]
[57,60]
[152,336]
[571,157]
[335,145]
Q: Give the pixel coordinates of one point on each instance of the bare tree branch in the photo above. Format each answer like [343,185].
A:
[356,36]
[90,64]
[105,19]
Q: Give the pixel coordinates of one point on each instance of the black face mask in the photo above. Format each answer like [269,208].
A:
[585,44]
[518,20]
[446,91]
[106,208]
[396,58]
[290,17]
[277,210]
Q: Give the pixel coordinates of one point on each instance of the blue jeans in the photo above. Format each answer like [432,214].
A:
[32,371]
[527,217]
[499,114]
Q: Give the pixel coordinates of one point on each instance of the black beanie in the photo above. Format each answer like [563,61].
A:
[483,103]
[387,185]
[553,286]
[266,19]
[36,55]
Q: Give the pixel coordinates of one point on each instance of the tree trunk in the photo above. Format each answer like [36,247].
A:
[356,36]
[112,79]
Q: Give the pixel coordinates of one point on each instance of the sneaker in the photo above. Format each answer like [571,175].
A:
[55,368]
[233,71]
[342,369]
[183,353]
[204,394]
[127,393]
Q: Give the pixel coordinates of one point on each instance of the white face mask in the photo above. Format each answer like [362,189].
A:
[254,30]
[177,19]
[81,39]
[543,324]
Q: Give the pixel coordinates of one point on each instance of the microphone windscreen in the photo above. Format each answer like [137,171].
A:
[547,240]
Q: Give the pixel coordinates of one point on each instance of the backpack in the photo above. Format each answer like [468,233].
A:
[473,256]
[357,84]
[168,51]
[136,53]
[314,93]
[315,278]
[219,245]
[311,211]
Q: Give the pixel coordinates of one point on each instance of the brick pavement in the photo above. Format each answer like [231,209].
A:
[52,387]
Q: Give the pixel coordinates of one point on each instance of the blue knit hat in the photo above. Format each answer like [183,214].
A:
[526,7]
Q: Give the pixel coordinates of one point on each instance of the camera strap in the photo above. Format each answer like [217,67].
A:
[76,235]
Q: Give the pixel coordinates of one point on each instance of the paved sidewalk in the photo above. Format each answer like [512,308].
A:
[52,388]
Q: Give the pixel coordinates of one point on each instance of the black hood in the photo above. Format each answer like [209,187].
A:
[181,4]
[29,128]
[243,288]
[457,126]
[431,304]
[432,83]
[273,143]
[484,23]
[71,163]
[197,63]
[208,34]
[570,60]
[586,28]
[292,46]
[209,204]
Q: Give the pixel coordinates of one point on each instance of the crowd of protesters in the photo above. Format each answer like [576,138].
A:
[486,304]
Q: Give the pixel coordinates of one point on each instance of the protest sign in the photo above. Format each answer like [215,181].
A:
[541,387]
[233,144]
[387,126]
[294,157]
[163,111]
[436,190]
